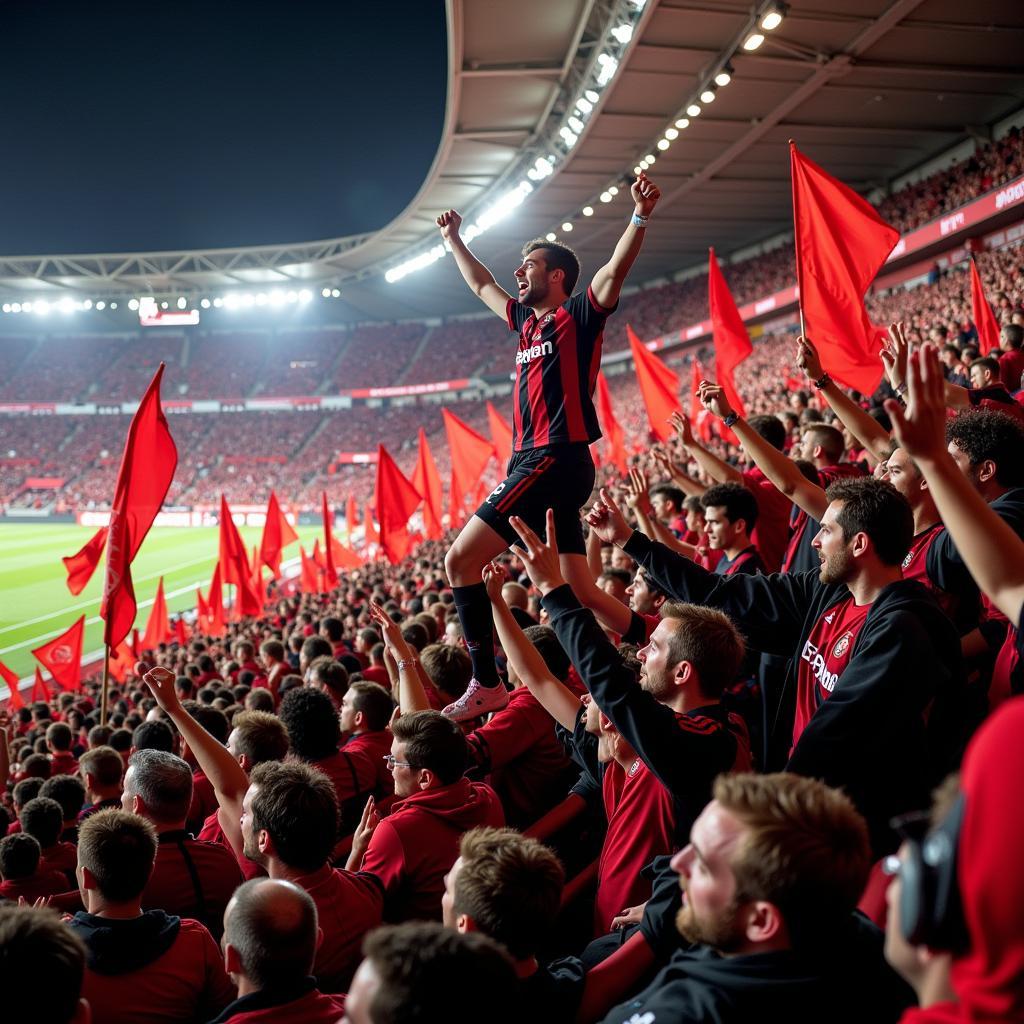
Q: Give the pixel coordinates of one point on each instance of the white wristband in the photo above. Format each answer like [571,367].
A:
[637,221]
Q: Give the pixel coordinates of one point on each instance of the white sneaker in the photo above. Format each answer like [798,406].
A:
[476,701]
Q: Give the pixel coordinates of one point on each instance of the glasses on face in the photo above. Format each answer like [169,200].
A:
[389,760]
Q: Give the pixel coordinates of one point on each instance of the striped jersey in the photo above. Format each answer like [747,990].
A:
[557,362]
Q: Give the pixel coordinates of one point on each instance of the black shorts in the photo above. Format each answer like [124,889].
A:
[559,477]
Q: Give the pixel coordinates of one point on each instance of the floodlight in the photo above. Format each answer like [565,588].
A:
[182,302]
[663,144]
[683,122]
[588,211]
[567,226]
[551,236]
[671,134]
[753,41]
[693,110]
[772,18]
[707,96]
[133,304]
[724,77]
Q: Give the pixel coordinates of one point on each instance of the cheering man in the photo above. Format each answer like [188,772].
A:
[554,423]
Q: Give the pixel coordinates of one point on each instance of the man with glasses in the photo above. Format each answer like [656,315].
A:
[412,848]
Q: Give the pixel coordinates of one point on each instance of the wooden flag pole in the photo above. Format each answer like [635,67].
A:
[106,684]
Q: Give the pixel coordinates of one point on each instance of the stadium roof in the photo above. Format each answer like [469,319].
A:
[870,91]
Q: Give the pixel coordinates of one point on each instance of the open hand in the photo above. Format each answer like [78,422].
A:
[921,427]
[540,557]
[895,351]
[607,521]
[637,497]
[394,642]
[681,425]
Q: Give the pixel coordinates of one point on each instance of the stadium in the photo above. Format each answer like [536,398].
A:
[263,446]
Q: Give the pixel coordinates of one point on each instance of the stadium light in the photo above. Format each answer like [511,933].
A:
[133,304]
[613,189]
[551,236]
[218,302]
[567,226]
[588,211]
[6,307]
[305,295]
[683,122]
[663,144]
[592,96]
[772,18]
[724,77]
[584,106]
[693,110]
[753,41]
[707,96]
[335,293]
[623,33]
[16,307]
[609,65]
[205,303]
[66,305]
[605,197]
[576,125]
[182,302]
[671,134]
[113,305]
[649,158]
[101,305]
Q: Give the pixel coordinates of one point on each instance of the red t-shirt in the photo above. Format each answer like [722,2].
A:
[825,656]
[44,882]
[641,826]
[377,674]
[915,567]
[63,763]
[186,983]
[311,1008]
[771,534]
[204,801]
[1011,365]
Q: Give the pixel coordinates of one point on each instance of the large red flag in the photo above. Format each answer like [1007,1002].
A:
[147,468]
[62,656]
[370,534]
[180,631]
[501,435]
[11,679]
[344,557]
[122,661]
[330,572]
[202,611]
[350,517]
[309,576]
[732,343]
[470,454]
[82,564]
[39,690]
[659,386]
[234,565]
[841,243]
[396,499]
[427,481]
[610,426]
[277,535]
[158,628]
[215,604]
[981,313]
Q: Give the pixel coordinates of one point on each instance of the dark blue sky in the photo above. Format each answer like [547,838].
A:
[131,126]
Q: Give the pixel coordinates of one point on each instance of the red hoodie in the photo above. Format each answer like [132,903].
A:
[989,979]
[414,846]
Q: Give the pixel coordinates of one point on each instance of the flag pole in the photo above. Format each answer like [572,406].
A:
[796,243]
[106,684]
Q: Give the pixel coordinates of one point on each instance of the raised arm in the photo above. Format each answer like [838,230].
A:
[779,469]
[608,281]
[475,274]
[868,431]
[991,549]
[895,357]
[226,775]
[525,660]
[686,483]
[718,469]
[409,691]
[650,525]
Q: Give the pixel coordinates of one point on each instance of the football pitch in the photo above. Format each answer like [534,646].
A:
[36,605]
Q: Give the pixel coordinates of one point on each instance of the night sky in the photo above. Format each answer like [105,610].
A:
[185,125]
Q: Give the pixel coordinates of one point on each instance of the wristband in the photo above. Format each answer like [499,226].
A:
[406,663]
[901,389]
[731,419]
[637,221]
[823,381]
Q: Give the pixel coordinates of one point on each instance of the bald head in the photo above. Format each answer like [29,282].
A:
[270,933]
[516,595]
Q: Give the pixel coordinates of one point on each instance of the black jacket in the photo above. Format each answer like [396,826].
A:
[120,947]
[685,752]
[844,980]
[889,731]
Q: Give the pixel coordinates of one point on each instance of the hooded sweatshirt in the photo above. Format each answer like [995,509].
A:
[989,979]
[151,968]
[414,846]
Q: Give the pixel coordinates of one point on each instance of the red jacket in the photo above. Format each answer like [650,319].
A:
[63,763]
[358,771]
[412,848]
[173,888]
[42,883]
[204,802]
[211,832]
[151,969]
[309,1006]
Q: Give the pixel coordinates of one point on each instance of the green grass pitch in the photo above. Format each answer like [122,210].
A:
[35,603]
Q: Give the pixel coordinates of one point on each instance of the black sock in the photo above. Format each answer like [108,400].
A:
[474,608]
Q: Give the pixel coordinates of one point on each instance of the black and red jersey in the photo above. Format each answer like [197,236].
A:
[800,556]
[557,362]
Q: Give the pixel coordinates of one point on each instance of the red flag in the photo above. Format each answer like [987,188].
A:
[396,499]
[659,387]
[318,555]
[39,690]
[215,605]
[370,534]
[330,572]
[456,512]
[277,535]
[135,645]
[841,243]
[122,661]
[610,426]
[147,468]
[309,577]
[732,343]
[426,480]
[158,628]
[501,435]
[180,632]
[234,565]
[344,557]
[82,565]
[350,517]
[470,454]
[202,611]
[62,656]
[11,679]
[981,313]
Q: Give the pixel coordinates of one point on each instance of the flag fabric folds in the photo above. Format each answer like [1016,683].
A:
[501,435]
[158,628]
[39,690]
[350,519]
[981,313]
[309,575]
[427,481]
[122,661]
[610,426]
[330,570]
[841,243]
[731,341]
[81,565]
[396,500]
[14,700]
[147,468]
[234,565]
[370,534]
[277,535]
[659,386]
[62,656]
[470,454]
[215,605]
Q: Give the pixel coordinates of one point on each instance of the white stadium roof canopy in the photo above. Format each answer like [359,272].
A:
[870,90]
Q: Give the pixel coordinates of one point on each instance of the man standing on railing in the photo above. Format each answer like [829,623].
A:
[554,422]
